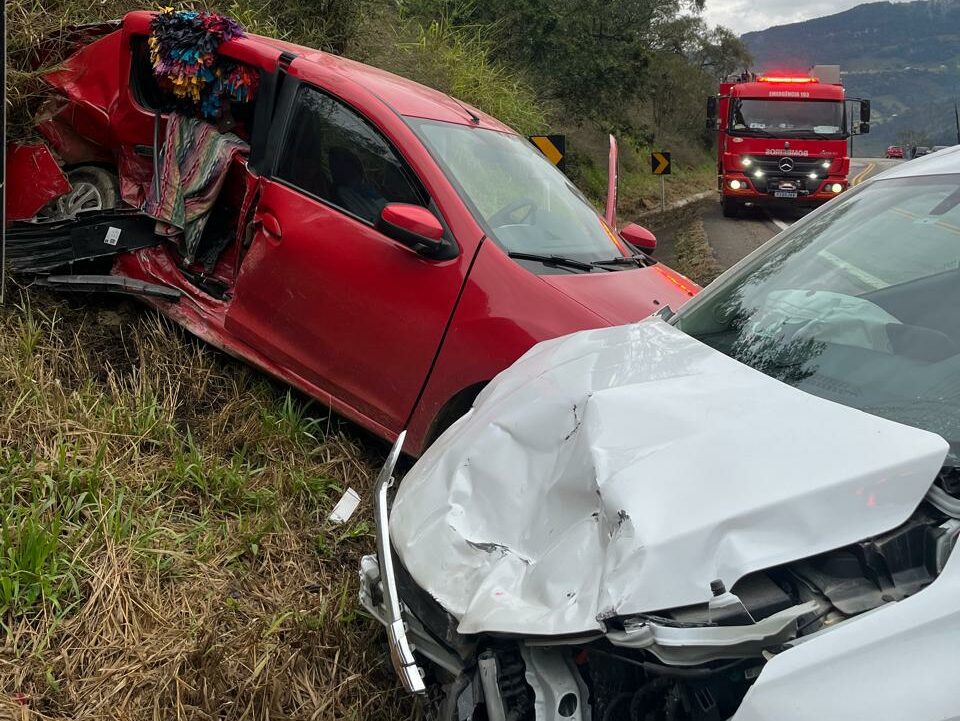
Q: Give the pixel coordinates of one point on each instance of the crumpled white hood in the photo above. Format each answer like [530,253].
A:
[621,470]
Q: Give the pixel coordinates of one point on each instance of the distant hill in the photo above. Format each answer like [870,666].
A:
[905,57]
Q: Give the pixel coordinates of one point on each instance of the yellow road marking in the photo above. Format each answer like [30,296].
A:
[905,213]
[948,226]
[863,174]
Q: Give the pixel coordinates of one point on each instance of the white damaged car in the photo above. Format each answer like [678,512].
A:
[744,511]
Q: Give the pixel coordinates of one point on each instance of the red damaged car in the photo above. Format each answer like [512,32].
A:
[377,244]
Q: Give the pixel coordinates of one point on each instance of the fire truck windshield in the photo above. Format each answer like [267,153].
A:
[787,118]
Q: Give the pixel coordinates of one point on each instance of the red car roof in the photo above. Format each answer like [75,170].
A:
[404,96]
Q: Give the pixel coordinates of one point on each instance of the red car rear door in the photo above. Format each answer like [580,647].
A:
[321,291]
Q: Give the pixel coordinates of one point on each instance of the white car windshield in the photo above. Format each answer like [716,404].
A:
[857,304]
[524,202]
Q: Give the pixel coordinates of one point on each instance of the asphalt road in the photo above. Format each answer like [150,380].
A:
[733,238]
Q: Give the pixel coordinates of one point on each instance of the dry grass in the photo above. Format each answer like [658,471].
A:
[165,553]
[693,255]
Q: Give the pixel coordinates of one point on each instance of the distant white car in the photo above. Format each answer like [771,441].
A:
[747,510]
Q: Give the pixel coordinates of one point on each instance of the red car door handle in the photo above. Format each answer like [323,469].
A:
[269,223]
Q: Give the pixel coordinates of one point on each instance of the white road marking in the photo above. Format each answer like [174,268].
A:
[779,223]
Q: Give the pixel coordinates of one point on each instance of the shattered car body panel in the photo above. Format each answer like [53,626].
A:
[299,274]
[605,506]
[48,182]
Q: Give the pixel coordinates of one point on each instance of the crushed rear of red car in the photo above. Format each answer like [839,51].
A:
[377,244]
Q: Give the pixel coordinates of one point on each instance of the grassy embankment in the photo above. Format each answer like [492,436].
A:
[164,551]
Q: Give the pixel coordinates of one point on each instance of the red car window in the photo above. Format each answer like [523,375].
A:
[332,153]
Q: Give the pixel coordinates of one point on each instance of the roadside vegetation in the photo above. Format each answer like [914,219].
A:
[164,548]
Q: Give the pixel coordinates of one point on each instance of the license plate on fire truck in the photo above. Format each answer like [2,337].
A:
[786,189]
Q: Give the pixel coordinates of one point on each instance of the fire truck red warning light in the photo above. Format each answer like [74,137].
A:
[787,79]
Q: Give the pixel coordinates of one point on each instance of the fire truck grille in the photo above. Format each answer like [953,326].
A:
[787,172]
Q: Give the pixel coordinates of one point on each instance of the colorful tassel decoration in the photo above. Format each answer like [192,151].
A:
[183,51]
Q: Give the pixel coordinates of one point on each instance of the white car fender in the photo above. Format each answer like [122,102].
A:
[896,663]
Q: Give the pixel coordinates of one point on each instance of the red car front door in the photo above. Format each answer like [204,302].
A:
[321,291]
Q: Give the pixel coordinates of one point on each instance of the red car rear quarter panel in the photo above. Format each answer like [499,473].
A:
[90,80]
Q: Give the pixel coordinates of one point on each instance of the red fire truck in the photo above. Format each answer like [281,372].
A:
[782,138]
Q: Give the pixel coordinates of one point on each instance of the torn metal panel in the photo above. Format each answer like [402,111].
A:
[34,178]
[90,79]
[110,284]
[620,471]
[72,147]
[401,653]
[690,646]
[66,40]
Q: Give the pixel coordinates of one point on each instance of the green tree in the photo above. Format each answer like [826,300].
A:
[590,55]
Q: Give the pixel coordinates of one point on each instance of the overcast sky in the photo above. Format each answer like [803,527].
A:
[742,16]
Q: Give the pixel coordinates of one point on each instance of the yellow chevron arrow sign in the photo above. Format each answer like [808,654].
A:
[660,162]
[554,148]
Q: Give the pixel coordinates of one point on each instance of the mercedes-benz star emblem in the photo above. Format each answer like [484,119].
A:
[786,164]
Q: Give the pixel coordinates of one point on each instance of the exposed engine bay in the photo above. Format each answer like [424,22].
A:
[694,663]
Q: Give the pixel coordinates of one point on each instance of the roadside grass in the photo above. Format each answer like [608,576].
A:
[164,549]
[693,255]
[640,189]
[454,59]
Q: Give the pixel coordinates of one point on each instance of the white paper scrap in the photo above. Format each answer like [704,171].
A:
[345,506]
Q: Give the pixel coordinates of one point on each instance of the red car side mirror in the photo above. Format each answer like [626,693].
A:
[639,237]
[412,225]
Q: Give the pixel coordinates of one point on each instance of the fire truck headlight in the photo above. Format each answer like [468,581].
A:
[826,165]
[746,161]
[836,188]
[736,184]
